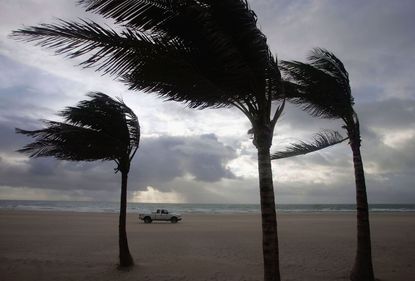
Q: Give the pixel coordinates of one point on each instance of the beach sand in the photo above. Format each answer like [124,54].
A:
[83,246]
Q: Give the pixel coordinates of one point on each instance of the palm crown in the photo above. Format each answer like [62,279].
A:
[321,86]
[98,129]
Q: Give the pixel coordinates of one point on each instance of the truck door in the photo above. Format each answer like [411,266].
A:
[158,215]
[164,215]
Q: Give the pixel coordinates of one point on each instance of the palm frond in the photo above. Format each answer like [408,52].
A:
[321,140]
[180,81]
[142,14]
[238,22]
[108,51]
[97,129]
[69,142]
[215,25]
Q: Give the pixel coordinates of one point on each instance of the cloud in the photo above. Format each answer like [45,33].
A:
[388,151]
[207,156]
[388,114]
[202,158]
[159,161]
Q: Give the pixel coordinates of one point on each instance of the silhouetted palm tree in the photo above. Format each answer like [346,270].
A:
[322,88]
[98,129]
[204,53]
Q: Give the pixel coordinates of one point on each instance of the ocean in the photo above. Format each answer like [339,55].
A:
[113,207]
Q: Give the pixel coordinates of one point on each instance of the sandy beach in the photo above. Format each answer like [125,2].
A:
[83,246]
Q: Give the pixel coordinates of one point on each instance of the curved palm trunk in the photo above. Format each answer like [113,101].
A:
[268,213]
[363,268]
[125,256]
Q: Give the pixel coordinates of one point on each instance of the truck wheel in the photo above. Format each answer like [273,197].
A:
[173,220]
[147,220]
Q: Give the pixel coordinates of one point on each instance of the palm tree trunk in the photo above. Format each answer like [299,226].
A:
[363,268]
[268,213]
[125,257]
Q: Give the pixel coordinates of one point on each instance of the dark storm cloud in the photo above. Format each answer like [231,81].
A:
[159,160]
[47,173]
[165,158]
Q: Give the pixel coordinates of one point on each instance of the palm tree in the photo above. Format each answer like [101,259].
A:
[98,129]
[204,53]
[322,88]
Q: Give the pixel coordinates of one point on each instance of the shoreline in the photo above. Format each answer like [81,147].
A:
[129,212]
[55,245]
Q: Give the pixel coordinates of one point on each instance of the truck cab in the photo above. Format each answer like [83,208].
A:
[162,214]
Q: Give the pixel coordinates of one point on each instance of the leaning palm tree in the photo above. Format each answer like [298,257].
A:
[204,53]
[321,87]
[98,129]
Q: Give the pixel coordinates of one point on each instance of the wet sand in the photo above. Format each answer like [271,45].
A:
[83,246]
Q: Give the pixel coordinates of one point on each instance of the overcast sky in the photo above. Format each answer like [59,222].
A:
[195,156]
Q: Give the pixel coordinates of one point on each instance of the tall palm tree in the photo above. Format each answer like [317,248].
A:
[204,53]
[97,129]
[322,88]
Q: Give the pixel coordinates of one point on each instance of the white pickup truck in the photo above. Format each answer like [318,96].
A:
[160,215]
